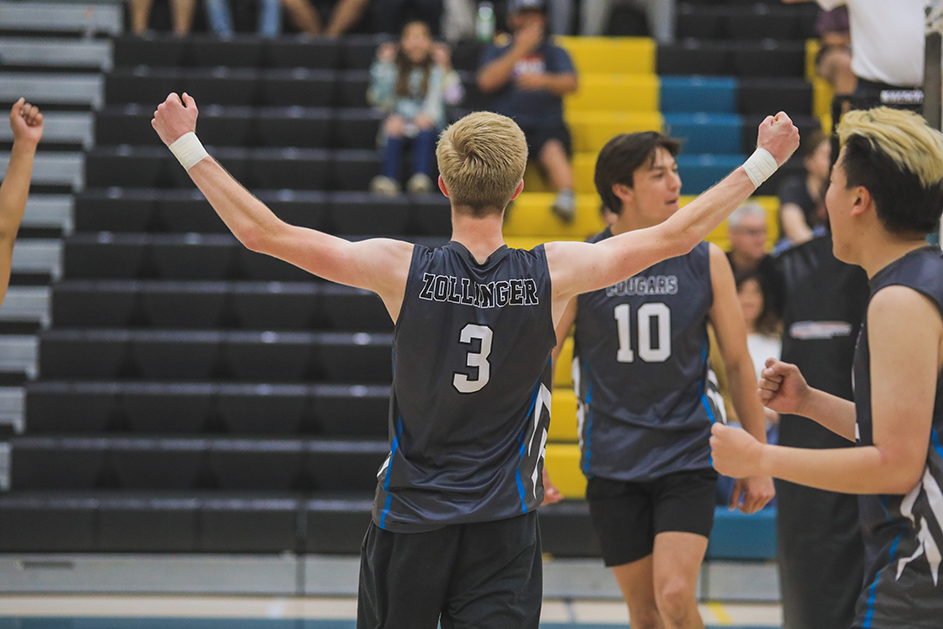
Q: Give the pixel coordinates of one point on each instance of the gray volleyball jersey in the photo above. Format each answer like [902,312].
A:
[903,535]
[646,394]
[470,403]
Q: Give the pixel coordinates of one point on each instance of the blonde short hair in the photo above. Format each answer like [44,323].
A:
[482,158]
[898,158]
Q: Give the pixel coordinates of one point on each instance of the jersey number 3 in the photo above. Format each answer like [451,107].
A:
[646,352]
[476,360]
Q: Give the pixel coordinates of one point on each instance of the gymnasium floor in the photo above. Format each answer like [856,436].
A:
[159,612]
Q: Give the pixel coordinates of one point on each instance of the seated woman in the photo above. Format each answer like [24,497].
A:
[802,198]
[411,82]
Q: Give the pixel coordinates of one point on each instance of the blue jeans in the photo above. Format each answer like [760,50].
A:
[219,15]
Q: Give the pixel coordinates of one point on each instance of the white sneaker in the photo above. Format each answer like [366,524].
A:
[420,182]
[384,185]
[564,206]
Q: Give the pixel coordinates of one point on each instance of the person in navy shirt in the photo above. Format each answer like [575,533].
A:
[885,196]
[527,77]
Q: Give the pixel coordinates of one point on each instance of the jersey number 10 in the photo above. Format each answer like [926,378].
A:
[646,352]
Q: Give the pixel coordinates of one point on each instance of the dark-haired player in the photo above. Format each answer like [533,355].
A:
[647,395]
[885,196]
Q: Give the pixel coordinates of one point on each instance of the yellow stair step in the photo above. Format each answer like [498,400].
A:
[563,416]
[591,130]
[563,466]
[611,55]
[563,370]
[530,215]
[614,92]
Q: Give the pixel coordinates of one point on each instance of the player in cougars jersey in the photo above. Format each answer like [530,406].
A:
[885,196]
[647,395]
[454,537]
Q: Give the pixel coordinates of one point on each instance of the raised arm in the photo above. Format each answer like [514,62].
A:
[906,345]
[379,265]
[581,267]
[27,125]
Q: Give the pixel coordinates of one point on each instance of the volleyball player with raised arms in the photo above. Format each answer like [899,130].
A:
[454,533]
[27,125]
[885,196]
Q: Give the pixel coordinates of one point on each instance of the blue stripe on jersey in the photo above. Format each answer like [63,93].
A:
[935,440]
[589,418]
[520,438]
[386,481]
[872,595]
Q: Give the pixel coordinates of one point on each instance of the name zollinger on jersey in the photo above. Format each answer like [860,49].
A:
[498,294]
[645,285]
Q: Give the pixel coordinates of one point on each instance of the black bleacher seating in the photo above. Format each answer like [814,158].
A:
[118,209]
[147,524]
[193,256]
[271,356]
[239,51]
[47,523]
[187,408]
[766,58]
[260,525]
[762,95]
[258,465]
[353,213]
[193,305]
[186,210]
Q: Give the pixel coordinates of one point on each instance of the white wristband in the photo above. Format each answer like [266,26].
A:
[760,166]
[188,150]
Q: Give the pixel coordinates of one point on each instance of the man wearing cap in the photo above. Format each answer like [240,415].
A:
[527,76]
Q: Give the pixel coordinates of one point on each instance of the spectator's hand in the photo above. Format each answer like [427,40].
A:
[26,122]
[423,121]
[735,453]
[172,119]
[532,81]
[779,136]
[386,53]
[442,55]
[529,38]
[756,492]
[551,493]
[782,387]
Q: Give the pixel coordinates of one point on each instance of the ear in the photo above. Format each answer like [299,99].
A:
[863,201]
[442,187]
[623,192]
[520,188]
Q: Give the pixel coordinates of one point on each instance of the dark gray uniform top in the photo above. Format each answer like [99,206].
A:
[902,534]
[647,397]
[470,404]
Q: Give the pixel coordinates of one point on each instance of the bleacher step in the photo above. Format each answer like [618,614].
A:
[93,54]
[59,89]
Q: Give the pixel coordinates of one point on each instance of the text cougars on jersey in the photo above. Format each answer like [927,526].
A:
[498,294]
[645,285]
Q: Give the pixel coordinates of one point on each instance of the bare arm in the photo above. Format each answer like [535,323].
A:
[783,389]
[379,265]
[27,125]
[905,337]
[795,227]
[563,327]
[581,267]
[727,319]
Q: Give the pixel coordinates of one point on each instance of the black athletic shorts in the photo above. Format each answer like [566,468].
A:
[469,576]
[628,515]
[538,135]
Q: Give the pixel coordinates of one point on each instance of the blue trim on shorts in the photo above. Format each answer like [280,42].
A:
[589,420]
[520,440]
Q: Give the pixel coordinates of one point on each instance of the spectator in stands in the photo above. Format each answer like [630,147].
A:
[528,76]
[181,12]
[345,14]
[746,230]
[411,81]
[802,198]
[660,15]
[27,124]
[833,62]
[219,16]
[887,45]
[390,15]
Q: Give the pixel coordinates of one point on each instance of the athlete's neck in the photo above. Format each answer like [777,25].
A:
[882,251]
[481,236]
